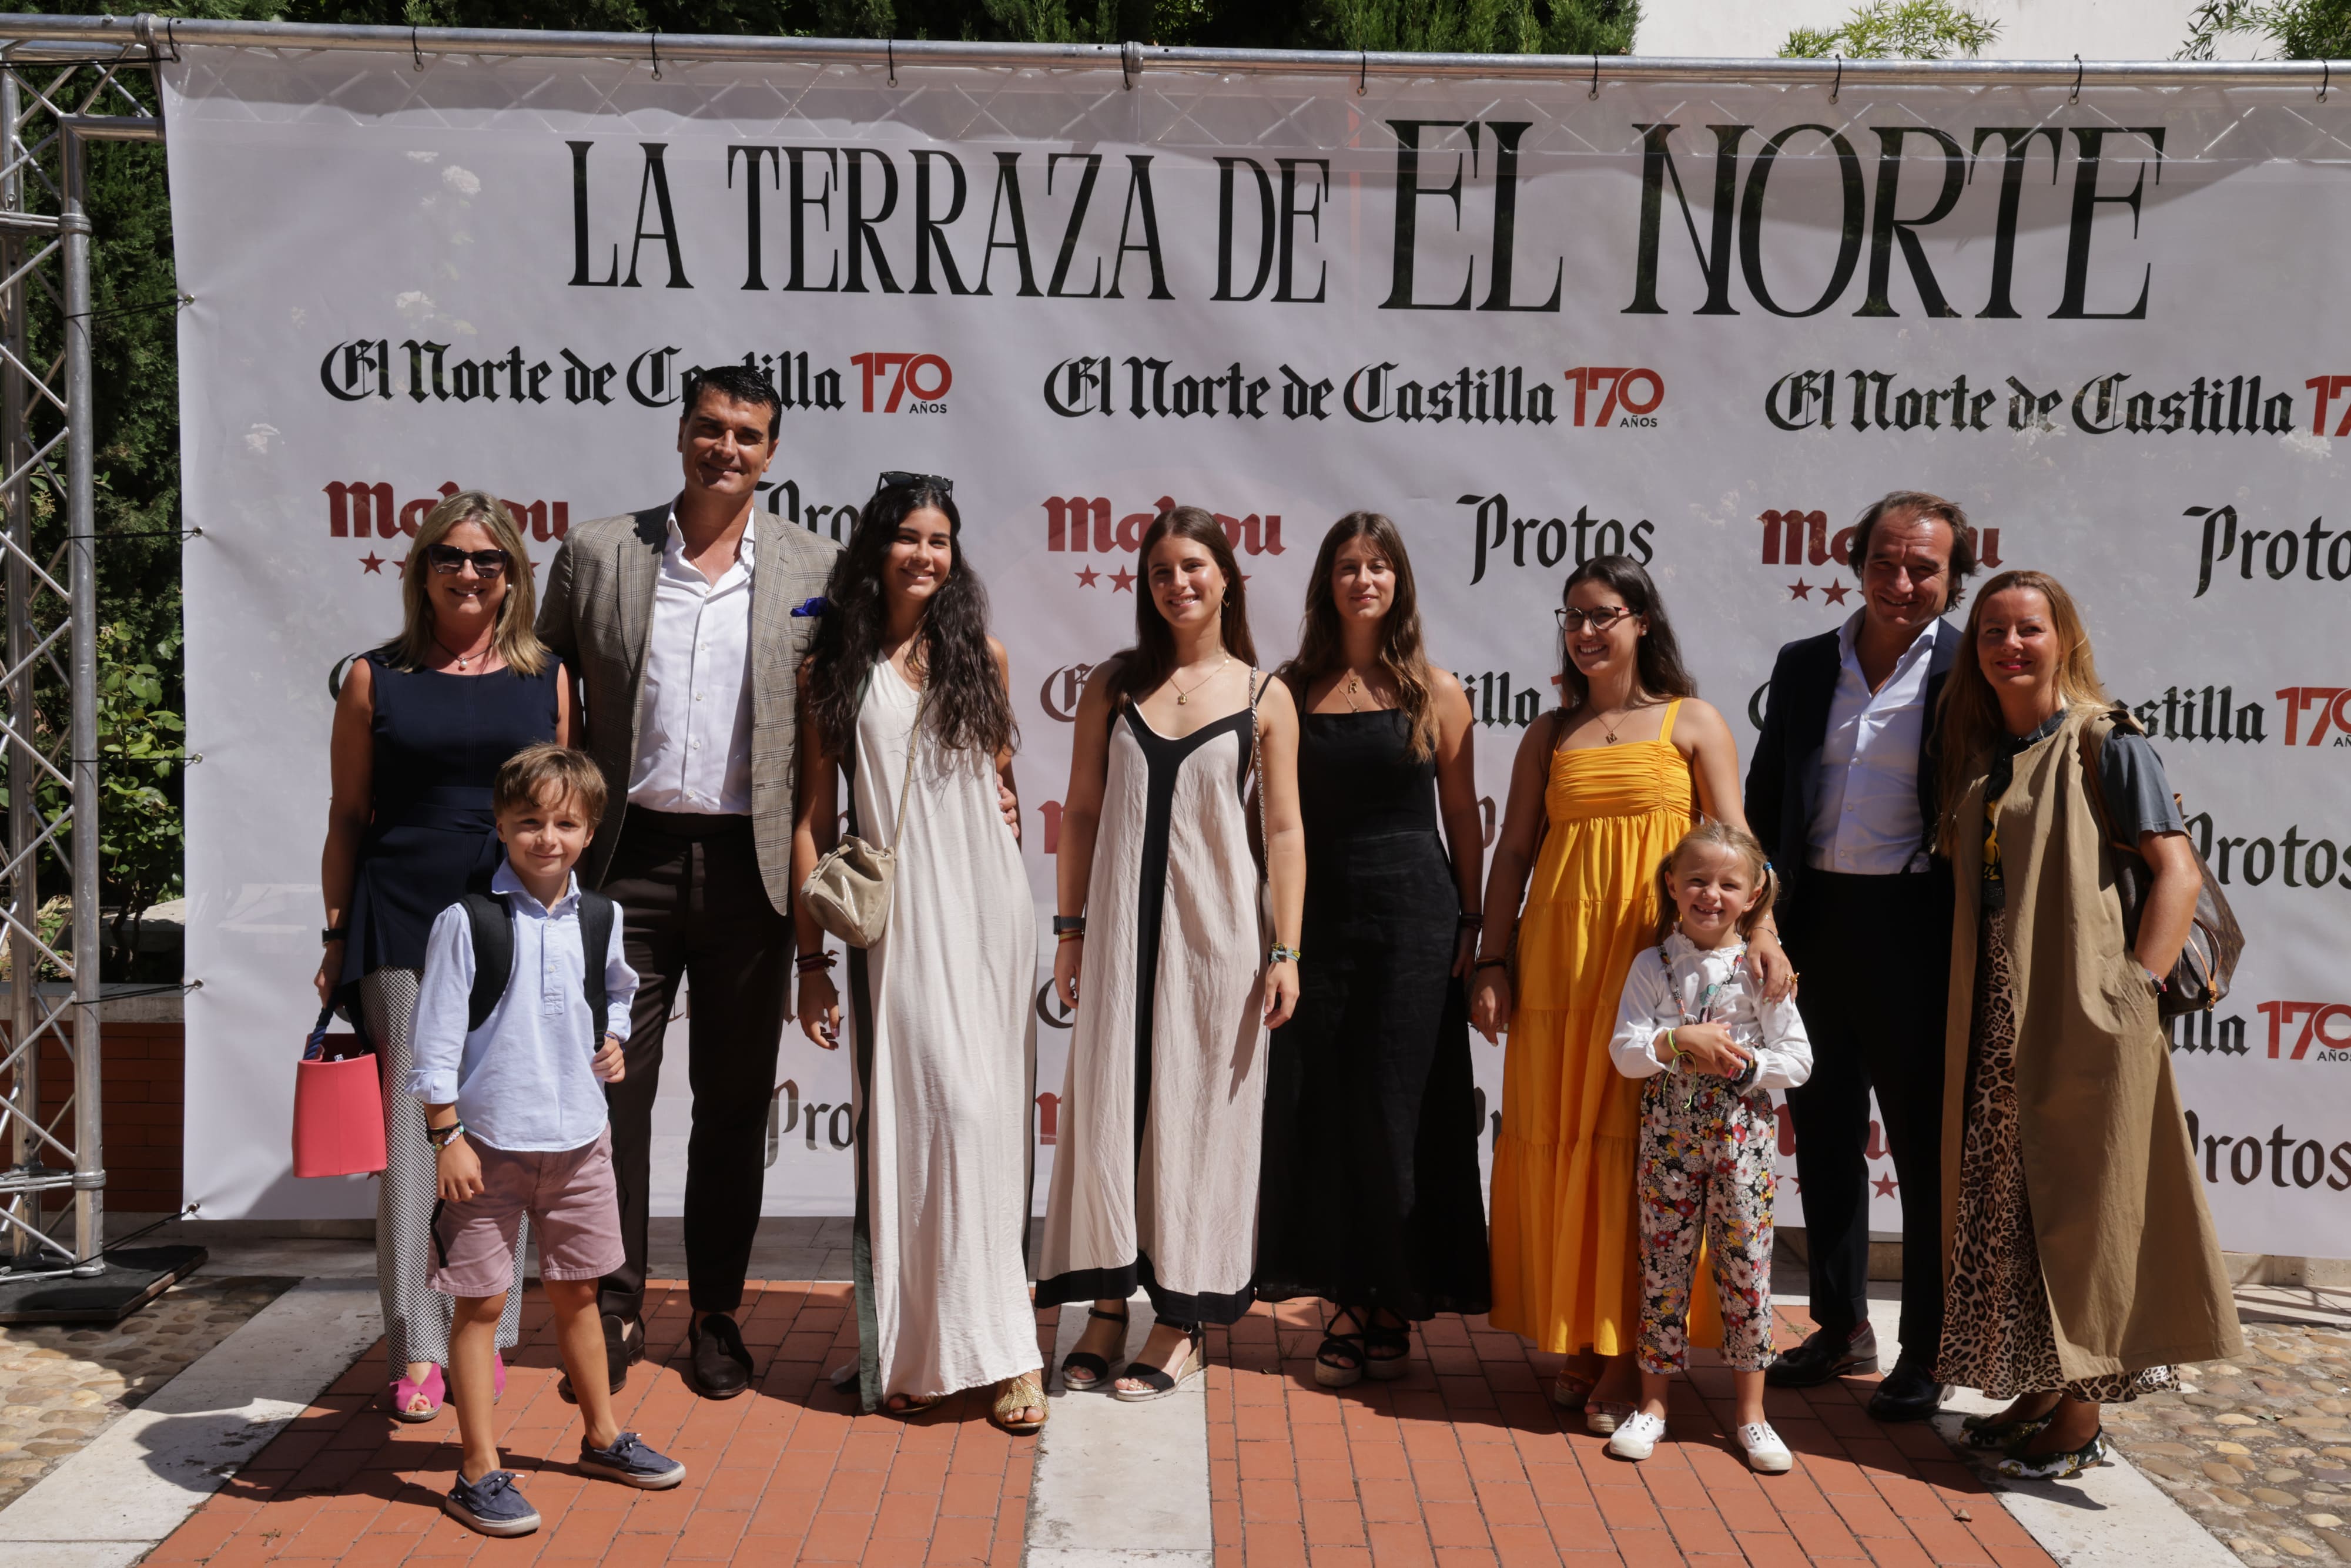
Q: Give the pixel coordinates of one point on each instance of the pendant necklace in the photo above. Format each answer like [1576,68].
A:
[1182,696]
[465,660]
[1355,684]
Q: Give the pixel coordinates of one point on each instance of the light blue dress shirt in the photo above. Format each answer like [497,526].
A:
[524,1081]
[1866,819]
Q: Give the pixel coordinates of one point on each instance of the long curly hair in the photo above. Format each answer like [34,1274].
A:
[1141,668]
[966,705]
[1658,665]
[1321,649]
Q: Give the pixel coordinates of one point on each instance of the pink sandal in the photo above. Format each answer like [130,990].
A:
[405,1391]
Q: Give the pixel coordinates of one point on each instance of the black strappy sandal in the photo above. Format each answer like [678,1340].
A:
[1340,1360]
[1378,1337]
[1095,1370]
[1158,1385]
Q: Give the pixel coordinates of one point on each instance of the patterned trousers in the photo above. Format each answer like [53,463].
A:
[1705,1165]
[415,1316]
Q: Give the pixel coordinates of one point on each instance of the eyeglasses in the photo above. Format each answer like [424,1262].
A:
[1598,620]
[448,560]
[892,478]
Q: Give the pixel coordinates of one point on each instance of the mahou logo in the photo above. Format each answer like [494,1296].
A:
[362,511]
[1059,695]
[1793,536]
[1078,524]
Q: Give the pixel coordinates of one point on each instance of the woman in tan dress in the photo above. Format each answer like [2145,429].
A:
[2080,1263]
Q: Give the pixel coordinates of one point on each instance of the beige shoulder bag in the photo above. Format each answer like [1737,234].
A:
[849,892]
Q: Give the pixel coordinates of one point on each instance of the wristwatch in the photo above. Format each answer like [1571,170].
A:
[333,934]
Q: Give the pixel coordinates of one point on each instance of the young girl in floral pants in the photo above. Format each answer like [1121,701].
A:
[1711,1048]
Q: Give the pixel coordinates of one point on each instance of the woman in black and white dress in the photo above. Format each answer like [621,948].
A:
[903,678]
[1162,947]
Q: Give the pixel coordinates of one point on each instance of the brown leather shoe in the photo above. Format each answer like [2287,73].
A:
[624,1346]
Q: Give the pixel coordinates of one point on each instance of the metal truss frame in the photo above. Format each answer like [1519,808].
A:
[52,105]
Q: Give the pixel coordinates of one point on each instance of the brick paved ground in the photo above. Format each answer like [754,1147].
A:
[789,1473]
[1462,1465]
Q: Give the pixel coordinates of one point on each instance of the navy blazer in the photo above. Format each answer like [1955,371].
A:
[1783,781]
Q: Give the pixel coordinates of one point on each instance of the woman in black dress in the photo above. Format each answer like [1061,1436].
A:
[421,725]
[1370,1196]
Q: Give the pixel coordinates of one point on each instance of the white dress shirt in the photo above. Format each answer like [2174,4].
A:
[1680,983]
[694,718]
[523,1082]
[1865,820]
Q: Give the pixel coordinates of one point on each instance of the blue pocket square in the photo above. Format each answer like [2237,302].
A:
[815,606]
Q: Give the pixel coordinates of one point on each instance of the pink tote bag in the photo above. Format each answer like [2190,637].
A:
[338,1107]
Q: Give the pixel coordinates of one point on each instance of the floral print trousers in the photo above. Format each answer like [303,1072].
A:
[1705,1165]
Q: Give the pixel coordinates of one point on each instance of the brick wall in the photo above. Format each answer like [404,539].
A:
[140,1069]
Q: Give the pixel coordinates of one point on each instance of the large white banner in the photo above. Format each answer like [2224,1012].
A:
[1531,323]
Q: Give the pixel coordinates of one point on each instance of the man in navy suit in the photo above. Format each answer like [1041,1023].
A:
[1843,794]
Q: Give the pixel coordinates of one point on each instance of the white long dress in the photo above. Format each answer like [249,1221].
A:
[1155,1168]
[945,1070]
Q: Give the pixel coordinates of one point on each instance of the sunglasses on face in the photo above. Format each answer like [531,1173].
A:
[448,560]
[892,478]
[1598,620]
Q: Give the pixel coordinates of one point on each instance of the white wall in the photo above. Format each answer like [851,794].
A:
[2028,29]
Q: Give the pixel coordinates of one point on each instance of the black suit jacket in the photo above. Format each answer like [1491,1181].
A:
[1783,781]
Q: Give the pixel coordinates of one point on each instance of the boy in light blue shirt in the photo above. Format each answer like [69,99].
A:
[516,1021]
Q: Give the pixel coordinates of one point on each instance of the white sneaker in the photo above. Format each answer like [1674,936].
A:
[1636,1436]
[1766,1454]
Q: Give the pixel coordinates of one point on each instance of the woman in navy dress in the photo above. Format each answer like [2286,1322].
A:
[421,725]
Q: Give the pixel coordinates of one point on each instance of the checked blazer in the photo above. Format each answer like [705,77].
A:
[596,611]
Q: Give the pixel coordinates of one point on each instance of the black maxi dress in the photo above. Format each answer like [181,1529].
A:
[1370,1193]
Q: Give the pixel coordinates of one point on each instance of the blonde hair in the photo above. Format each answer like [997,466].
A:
[517,643]
[525,780]
[1721,836]
[1968,722]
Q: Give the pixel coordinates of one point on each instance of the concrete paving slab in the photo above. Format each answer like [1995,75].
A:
[1121,1486]
[144,1475]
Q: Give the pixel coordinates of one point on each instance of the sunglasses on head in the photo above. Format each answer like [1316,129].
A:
[449,560]
[892,478]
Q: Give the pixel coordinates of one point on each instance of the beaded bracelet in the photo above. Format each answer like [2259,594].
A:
[811,962]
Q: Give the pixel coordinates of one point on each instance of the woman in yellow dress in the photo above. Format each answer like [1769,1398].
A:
[1602,788]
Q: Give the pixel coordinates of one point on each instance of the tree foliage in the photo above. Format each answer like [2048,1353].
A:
[1895,30]
[135,357]
[2300,29]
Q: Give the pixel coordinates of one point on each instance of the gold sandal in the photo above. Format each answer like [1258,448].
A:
[1026,1391]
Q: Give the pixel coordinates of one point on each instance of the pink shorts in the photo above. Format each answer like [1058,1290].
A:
[575,1217]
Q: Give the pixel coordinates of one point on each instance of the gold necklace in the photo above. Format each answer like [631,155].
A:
[1355,684]
[1183,696]
[1607,730]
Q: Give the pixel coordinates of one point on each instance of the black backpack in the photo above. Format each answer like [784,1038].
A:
[493,922]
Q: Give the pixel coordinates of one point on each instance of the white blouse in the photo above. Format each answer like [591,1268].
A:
[1681,984]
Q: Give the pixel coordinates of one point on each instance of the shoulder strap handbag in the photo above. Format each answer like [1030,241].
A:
[1257,779]
[850,889]
[2207,964]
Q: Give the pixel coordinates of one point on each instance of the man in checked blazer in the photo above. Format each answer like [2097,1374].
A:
[685,624]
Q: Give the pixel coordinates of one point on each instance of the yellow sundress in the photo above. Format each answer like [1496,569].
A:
[1565,1231]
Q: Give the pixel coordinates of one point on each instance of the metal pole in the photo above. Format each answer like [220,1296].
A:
[81,38]
[81,524]
[23,808]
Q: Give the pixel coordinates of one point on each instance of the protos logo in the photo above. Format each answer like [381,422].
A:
[1059,695]
[927,376]
[2318,1021]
